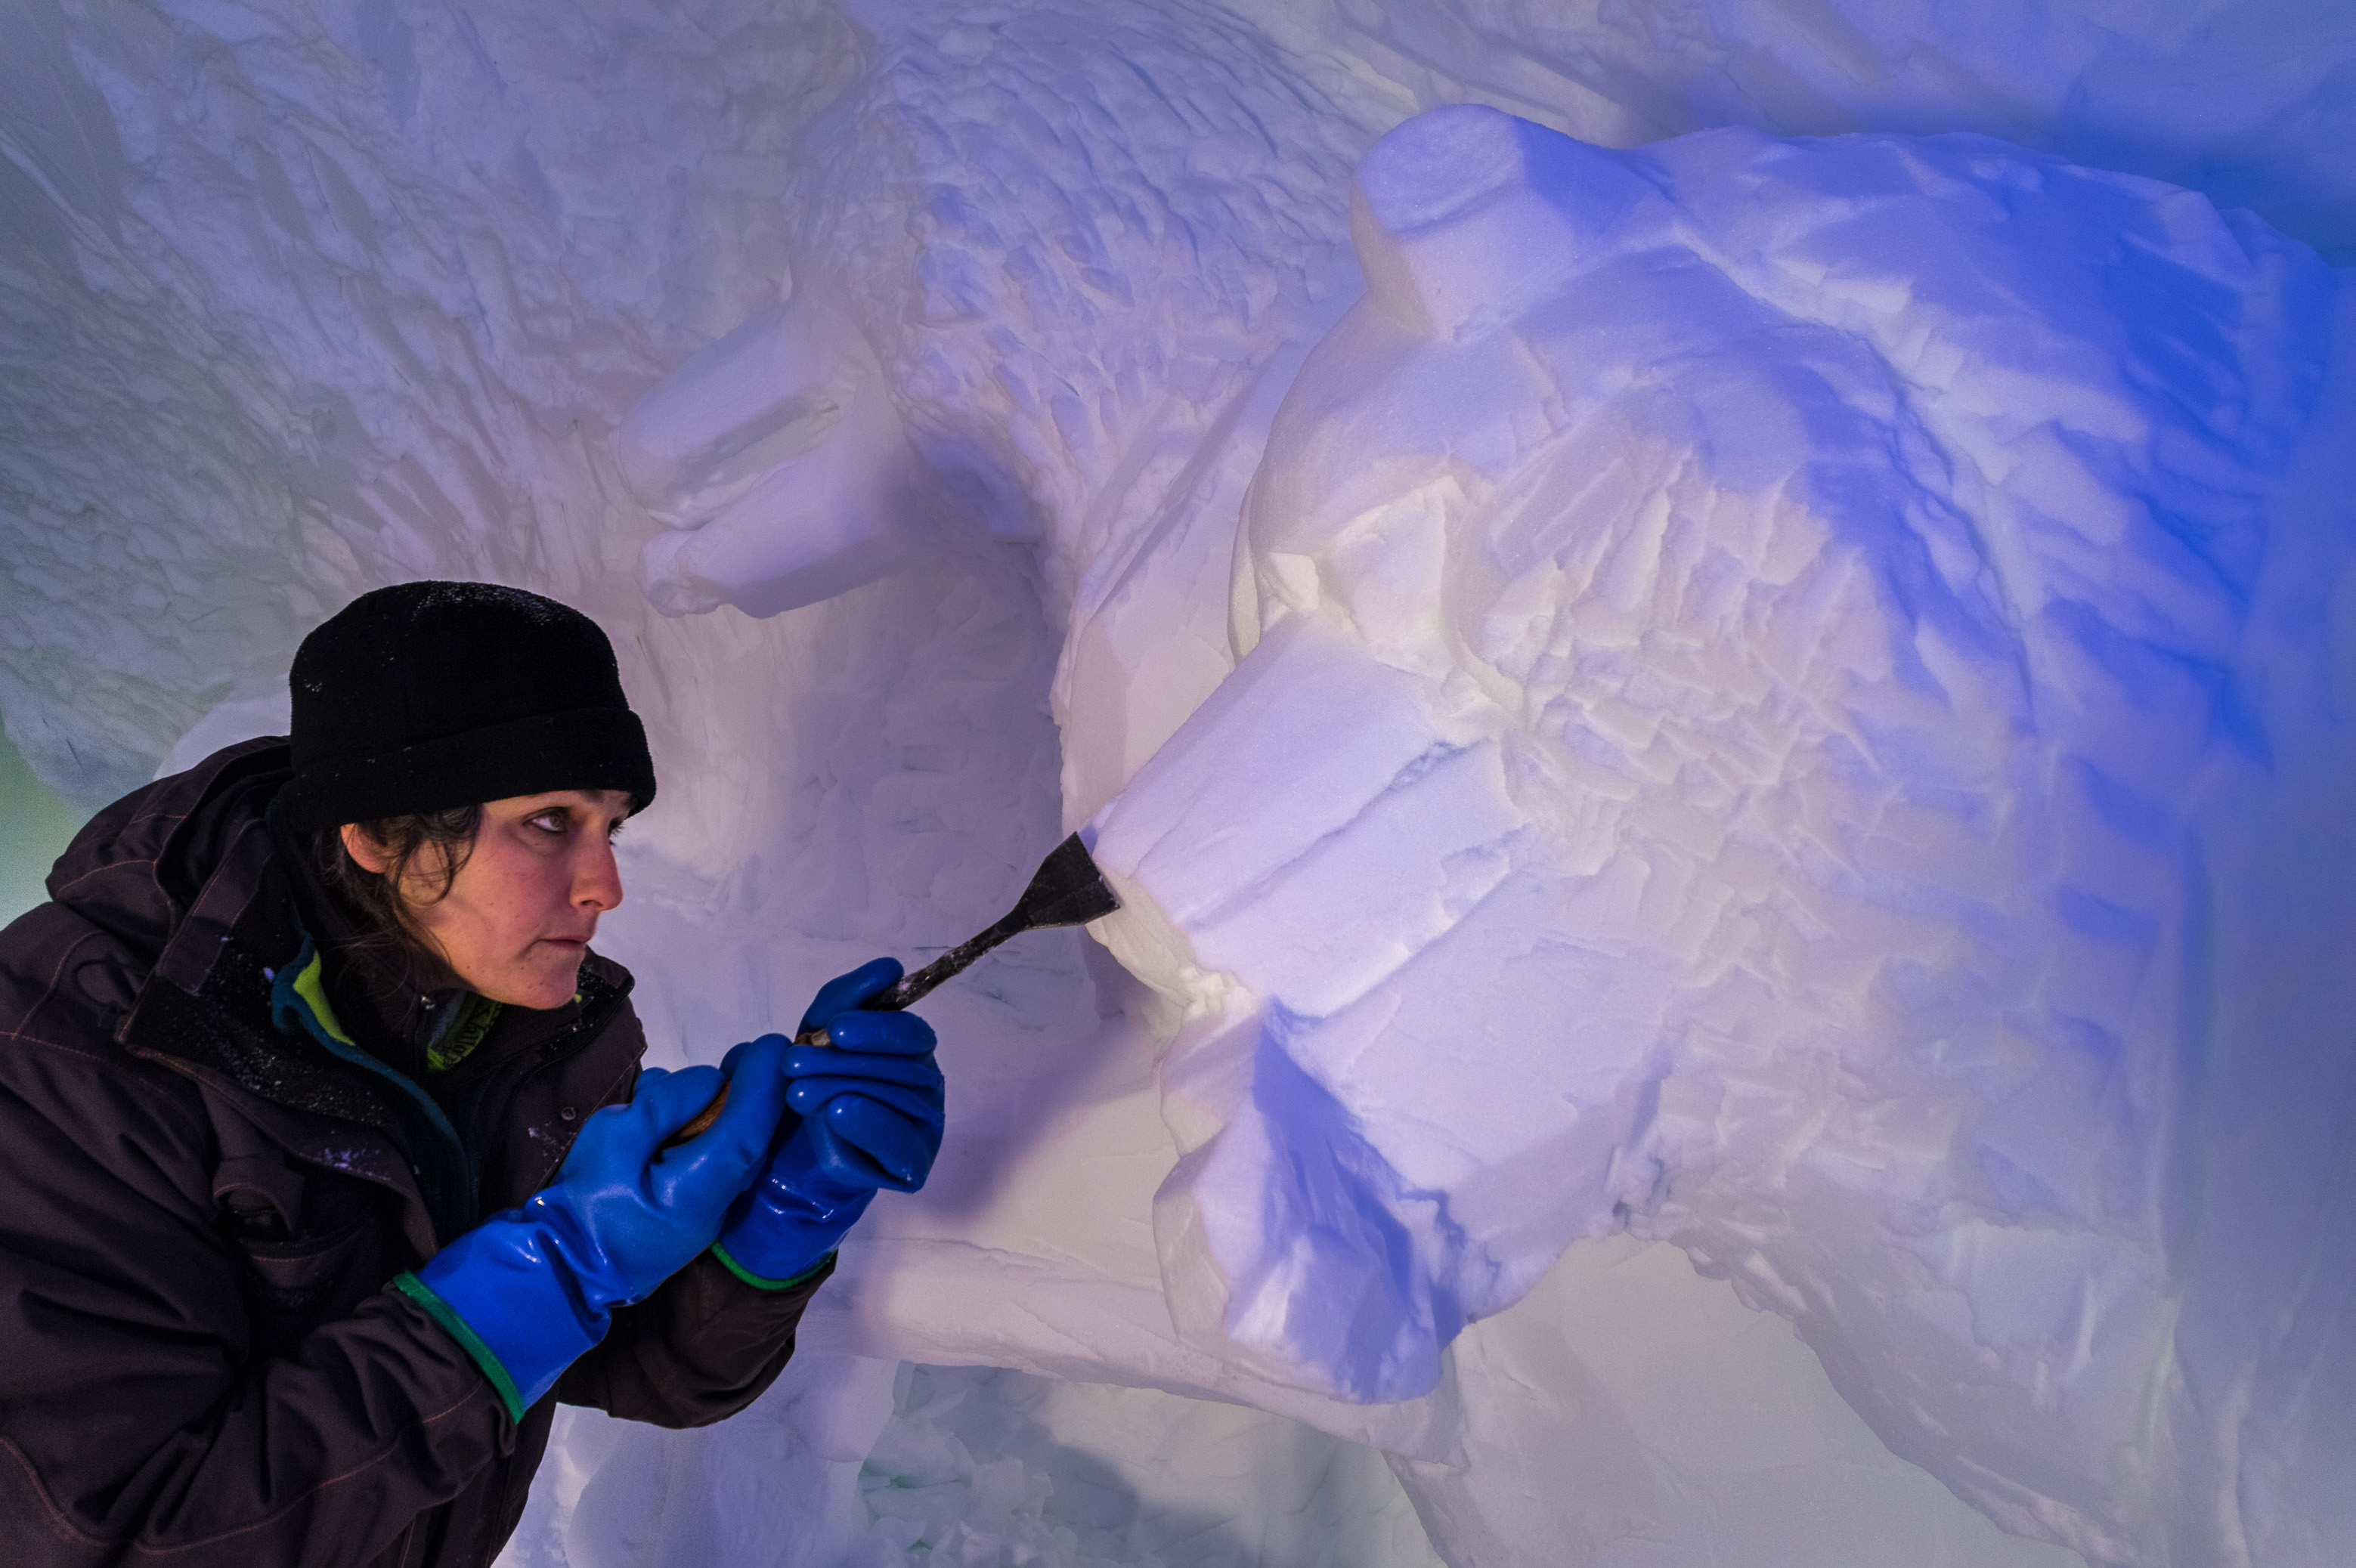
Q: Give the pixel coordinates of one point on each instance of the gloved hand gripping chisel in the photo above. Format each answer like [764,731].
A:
[1067,890]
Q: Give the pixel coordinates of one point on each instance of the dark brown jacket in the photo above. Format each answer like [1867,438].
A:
[199,1361]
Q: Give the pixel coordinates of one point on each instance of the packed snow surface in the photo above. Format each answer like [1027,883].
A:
[1789,708]
[1767,707]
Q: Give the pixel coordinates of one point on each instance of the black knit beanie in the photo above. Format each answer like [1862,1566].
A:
[429,695]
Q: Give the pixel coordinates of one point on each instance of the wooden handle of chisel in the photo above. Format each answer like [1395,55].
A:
[710,1114]
[910,988]
[1067,890]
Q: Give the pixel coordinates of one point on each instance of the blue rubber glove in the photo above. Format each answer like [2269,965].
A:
[866,1114]
[528,1291]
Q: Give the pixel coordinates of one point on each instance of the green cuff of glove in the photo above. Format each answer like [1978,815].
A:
[409,1285]
[757,1282]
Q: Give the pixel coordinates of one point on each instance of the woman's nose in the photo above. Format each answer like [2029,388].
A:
[597,882]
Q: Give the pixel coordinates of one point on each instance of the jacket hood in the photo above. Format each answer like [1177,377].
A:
[140,868]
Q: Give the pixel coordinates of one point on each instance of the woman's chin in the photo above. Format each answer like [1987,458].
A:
[539,986]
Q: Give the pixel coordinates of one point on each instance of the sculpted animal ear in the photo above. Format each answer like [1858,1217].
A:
[778,463]
[1464,216]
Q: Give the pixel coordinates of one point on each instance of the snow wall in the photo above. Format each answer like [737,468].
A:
[1735,739]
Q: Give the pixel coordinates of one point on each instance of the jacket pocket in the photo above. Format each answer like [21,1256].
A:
[294,1286]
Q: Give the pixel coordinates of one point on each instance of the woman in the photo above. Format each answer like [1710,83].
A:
[328,1163]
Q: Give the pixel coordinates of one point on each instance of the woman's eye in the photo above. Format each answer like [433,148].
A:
[547,821]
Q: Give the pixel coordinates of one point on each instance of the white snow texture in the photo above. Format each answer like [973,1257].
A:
[1710,642]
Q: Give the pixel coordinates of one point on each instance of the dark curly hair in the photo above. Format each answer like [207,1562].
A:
[391,942]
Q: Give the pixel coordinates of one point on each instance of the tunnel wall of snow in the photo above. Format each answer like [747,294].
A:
[298,300]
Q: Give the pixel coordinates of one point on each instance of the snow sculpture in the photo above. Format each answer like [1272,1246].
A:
[1088,244]
[1793,701]
[2154,90]
[776,458]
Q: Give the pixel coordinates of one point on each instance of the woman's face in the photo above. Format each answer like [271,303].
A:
[519,914]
